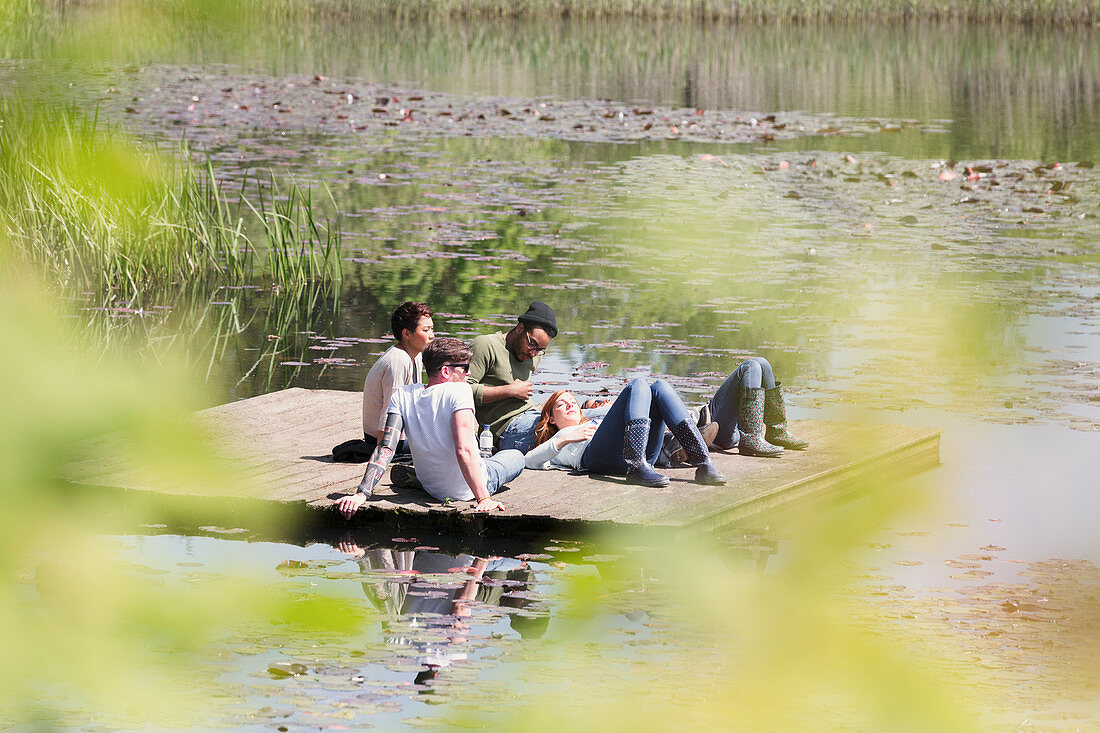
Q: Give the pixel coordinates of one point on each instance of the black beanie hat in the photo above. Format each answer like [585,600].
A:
[541,315]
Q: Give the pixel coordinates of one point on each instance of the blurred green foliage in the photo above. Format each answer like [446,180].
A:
[85,635]
[797,648]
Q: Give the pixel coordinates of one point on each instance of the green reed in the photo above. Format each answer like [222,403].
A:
[95,211]
[300,248]
[1034,12]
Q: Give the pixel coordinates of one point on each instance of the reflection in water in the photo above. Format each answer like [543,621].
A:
[425,610]
[1012,91]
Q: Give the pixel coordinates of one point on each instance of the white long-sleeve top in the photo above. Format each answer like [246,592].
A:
[549,455]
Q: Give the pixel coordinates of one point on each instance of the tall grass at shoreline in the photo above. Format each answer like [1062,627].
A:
[95,27]
[300,249]
[1031,12]
[95,211]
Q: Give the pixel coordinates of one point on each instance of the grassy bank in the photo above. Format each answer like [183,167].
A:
[95,211]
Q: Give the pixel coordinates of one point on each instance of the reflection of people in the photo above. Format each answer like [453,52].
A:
[438,420]
[500,374]
[398,366]
[751,413]
[628,439]
[441,607]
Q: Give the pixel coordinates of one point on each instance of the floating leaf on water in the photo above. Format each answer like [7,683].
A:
[287,669]
[287,566]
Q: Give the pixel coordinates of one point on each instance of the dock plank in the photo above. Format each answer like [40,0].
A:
[279,443]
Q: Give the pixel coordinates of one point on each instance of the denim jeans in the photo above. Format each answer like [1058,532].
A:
[755,373]
[657,401]
[519,433]
[501,468]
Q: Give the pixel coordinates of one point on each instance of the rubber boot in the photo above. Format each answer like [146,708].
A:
[676,454]
[775,420]
[750,423]
[638,470]
[696,452]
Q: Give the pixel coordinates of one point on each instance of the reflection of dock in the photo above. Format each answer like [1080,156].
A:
[284,438]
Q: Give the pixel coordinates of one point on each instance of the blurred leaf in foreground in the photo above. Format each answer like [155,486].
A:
[82,630]
[796,648]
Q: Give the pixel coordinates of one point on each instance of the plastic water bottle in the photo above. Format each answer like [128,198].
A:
[485,441]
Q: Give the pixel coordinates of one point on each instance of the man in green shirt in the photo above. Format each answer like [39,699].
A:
[500,376]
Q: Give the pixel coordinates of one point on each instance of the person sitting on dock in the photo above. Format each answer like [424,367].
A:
[398,366]
[500,375]
[438,420]
[628,439]
[751,413]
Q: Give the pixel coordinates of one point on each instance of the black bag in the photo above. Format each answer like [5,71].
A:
[353,451]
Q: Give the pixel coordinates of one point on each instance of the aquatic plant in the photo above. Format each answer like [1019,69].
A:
[95,211]
[300,249]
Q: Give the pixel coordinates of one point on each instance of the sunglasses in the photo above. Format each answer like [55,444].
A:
[465,366]
[533,345]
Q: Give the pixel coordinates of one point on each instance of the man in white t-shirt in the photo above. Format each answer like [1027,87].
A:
[439,425]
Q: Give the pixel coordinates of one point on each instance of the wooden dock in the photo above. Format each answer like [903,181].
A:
[281,441]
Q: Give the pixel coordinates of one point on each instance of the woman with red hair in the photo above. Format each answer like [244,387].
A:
[626,441]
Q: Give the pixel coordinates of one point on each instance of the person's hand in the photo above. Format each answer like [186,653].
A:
[348,505]
[521,389]
[348,547]
[488,504]
[574,434]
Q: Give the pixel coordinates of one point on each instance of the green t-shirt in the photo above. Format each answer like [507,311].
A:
[493,365]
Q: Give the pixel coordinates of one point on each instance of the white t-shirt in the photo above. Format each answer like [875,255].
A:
[427,413]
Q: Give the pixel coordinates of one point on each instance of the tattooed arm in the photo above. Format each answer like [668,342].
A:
[379,461]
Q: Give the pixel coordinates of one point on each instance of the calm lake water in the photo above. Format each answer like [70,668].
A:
[884,280]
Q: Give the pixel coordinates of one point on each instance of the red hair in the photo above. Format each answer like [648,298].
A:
[544,429]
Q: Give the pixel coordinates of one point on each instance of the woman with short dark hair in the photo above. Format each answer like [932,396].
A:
[399,365]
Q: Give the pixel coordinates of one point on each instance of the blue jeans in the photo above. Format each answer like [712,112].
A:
[658,401]
[519,433]
[755,373]
[501,468]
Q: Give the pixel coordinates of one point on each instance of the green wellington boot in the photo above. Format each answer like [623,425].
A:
[775,418]
[750,423]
